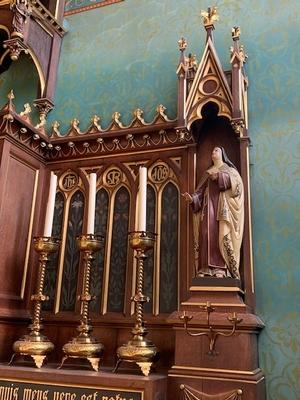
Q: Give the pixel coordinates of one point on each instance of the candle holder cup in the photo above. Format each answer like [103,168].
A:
[85,346]
[35,344]
[139,350]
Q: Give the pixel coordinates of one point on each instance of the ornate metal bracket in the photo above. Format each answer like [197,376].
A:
[212,333]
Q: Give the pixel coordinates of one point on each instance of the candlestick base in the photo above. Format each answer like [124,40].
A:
[35,344]
[85,346]
[139,350]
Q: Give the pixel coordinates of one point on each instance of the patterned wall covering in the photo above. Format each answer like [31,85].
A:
[137,69]
[75,6]
[23,78]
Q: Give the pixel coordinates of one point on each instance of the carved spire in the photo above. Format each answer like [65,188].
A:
[209,17]
[237,60]
[182,74]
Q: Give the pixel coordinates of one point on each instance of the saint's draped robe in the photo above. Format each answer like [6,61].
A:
[218,223]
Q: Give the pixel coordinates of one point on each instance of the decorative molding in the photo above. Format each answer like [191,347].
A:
[91,7]
[190,393]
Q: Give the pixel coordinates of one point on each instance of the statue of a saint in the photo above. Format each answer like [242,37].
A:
[218,204]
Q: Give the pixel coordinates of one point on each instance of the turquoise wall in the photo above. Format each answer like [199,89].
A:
[124,56]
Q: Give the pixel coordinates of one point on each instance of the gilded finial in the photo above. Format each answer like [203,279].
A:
[74,125]
[116,119]
[27,110]
[191,61]
[182,43]
[95,121]
[243,54]
[55,128]
[42,123]
[235,32]
[138,113]
[11,95]
[210,16]
[161,109]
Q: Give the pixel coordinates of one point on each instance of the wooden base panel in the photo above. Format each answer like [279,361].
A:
[52,384]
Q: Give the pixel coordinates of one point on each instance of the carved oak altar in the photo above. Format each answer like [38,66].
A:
[212,110]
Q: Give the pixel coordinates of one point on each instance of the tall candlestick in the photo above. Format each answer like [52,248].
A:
[50,206]
[92,204]
[142,202]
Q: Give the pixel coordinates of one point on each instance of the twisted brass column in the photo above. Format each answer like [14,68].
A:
[35,344]
[85,345]
[139,350]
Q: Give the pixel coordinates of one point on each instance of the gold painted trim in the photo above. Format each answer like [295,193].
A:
[156,275]
[3,27]
[219,370]
[56,9]
[91,7]
[75,385]
[108,254]
[39,70]
[189,303]
[4,55]
[29,237]
[96,157]
[106,273]
[250,221]
[134,267]
[216,379]
[215,289]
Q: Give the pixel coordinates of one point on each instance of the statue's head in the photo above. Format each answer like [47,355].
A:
[219,153]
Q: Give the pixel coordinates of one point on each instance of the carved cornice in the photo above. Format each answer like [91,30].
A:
[115,124]
[138,136]
[41,12]
[130,140]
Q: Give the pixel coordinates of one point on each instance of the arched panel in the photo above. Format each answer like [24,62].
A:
[169,250]
[149,262]
[72,254]
[118,259]
[101,216]
[51,270]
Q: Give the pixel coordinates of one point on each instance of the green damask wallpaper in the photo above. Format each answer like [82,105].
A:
[124,56]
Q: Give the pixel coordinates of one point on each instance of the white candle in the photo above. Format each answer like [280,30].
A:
[50,206]
[142,201]
[92,204]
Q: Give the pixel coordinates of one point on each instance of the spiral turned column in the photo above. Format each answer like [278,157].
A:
[85,346]
[35,344]
[139,350]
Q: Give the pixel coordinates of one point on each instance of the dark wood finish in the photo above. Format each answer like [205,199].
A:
[153,387]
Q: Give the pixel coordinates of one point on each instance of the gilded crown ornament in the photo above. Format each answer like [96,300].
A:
[210,16]
[182,43]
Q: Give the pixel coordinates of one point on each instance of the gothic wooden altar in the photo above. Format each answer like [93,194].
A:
[212,110]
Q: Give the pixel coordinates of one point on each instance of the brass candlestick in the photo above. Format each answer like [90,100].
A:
[35,344]
[85,345]
[139,350]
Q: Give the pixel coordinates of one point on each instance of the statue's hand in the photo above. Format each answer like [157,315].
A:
[187,197]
